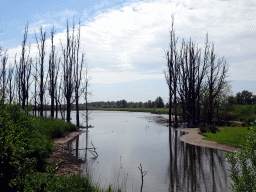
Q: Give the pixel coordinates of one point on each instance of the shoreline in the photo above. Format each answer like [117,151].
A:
[193,137]
[67,163]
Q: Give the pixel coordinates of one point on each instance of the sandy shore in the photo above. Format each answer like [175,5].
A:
[195,138]
[67,164]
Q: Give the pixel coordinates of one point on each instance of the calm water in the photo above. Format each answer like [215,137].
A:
[124,140]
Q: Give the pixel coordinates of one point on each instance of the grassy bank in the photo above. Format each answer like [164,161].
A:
[236,136]
[151,110]
[25,141]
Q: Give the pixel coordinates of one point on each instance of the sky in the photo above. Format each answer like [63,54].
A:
[124,41]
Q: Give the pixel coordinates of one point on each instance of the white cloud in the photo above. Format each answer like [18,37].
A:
[123,44]
[104,76]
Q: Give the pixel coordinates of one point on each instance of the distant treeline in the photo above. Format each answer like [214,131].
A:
[243,98]
[158,103]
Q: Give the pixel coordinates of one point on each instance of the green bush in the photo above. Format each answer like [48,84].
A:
[25,142]
[243,165]
[204,128]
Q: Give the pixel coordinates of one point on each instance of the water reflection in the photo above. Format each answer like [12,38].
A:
[194,168]
[124,140]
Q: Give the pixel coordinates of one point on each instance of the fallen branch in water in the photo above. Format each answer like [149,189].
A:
[143,173]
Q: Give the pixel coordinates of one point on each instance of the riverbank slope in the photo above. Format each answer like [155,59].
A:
[67,163]
[194,137]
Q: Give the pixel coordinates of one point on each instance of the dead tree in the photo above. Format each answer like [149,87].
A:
[23,72]
[86,94]
[170,74]
[3,72]
[53,72]
[71,69]
[41,51]
[78,75]
[190,81]
[68,61]
[35,74]
[215,80]
[10,84]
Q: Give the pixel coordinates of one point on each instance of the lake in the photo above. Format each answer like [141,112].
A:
[125,140]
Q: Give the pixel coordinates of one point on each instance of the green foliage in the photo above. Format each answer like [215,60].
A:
[243,165]
[48,182]
[16,145]
[53,128]
[159,102]
[236,136]
[25,141]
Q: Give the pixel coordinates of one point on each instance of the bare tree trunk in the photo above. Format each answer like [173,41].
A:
[78,76]
[170,76]
[41,50]
[72,71]
[3,72]
[23,72]
[53,74]
[216,80]
[10,83]
[68,60]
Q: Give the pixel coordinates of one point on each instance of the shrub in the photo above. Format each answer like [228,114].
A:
[204,128]
[243,165]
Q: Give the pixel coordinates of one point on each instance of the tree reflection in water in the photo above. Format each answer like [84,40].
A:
[194,168]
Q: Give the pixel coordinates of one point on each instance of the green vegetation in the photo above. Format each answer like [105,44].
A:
[25,141]
[236,136]
[244,113]
[243,165]
[151,110]
[41,182]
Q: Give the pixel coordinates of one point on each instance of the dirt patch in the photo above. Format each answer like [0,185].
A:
[195,138]
[67,163]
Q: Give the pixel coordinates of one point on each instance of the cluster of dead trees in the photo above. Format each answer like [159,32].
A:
[50,77]
[196,78]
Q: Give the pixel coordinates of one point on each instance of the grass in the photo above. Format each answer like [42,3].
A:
[47,182]
[151,110]
[236,136]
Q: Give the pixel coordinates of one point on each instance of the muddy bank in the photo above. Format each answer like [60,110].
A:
[62,154]
[194,137]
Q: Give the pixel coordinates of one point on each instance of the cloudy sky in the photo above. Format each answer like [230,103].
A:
[125,41]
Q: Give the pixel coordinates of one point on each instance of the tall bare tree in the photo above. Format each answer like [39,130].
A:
[3,73]
[86,94]
[72,69]
[10,83]
[53,72]
[35,74]
[194,78]
[68,62]
[215,80]
[78,68]
[41,50]
[24,71]
[171,56]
